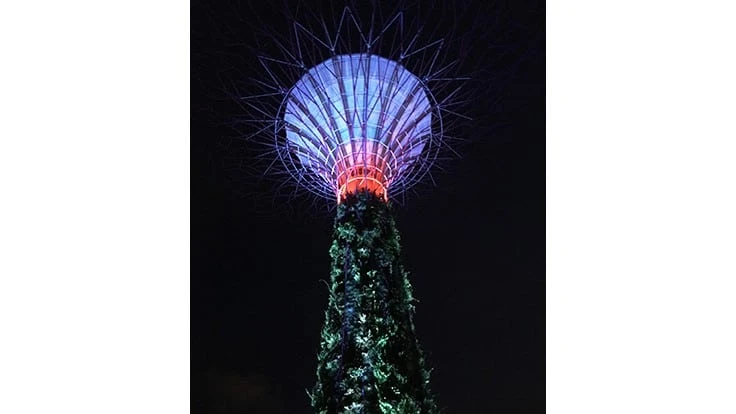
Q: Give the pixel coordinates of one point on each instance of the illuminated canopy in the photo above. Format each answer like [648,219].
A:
[358,122]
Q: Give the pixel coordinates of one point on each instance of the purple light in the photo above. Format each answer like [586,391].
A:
[358,122]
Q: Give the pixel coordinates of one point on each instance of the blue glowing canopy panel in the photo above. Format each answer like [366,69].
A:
[357,122]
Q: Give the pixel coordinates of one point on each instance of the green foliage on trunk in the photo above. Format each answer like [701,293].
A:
[369,360]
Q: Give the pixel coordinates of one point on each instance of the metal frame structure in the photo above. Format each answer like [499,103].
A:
[357,122]
[352,115]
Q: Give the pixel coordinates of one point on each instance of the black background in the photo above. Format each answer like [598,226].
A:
[474,244]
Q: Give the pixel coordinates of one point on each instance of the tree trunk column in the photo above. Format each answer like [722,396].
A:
[370,360]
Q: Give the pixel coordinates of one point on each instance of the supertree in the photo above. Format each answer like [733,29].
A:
[359,122]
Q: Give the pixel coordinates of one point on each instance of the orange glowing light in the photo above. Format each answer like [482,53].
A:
[357,178]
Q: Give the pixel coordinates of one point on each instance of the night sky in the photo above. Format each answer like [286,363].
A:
[474,243]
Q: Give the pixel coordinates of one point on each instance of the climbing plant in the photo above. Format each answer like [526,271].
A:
[369,359]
